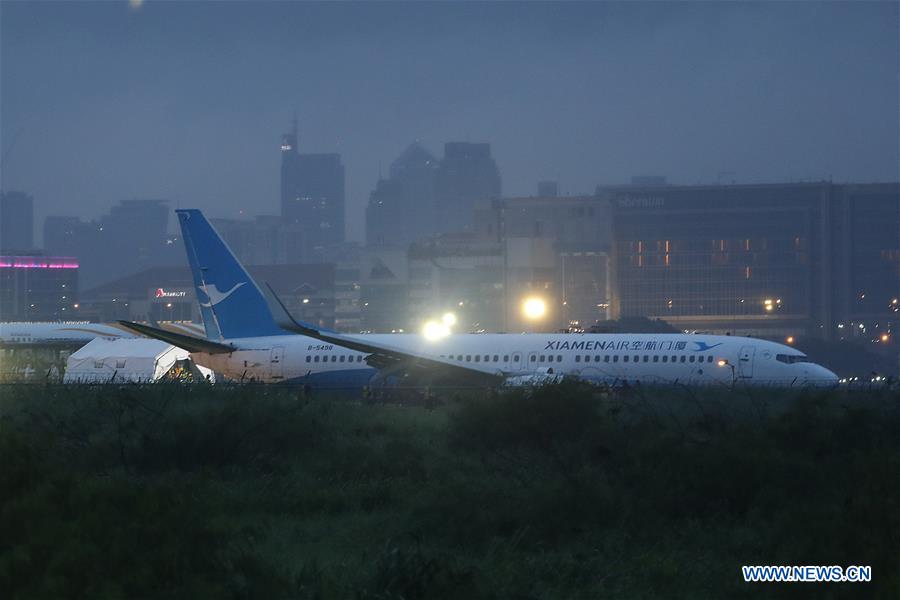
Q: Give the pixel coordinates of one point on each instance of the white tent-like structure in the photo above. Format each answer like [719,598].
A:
[127,360]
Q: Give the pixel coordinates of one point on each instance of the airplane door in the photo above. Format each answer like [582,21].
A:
[516,362]
[745,361]
[532,363]
[276,362]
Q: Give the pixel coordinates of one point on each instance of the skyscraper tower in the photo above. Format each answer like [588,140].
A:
[16,222]
[312,194]
[401,208]
[467,174]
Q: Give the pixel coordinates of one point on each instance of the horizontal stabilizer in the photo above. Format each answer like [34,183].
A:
[188,342]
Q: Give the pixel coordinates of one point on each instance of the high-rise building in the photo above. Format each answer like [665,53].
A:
[63,234]
[466,174]
[38,288]
[266,240]
[777,259]
[16,222]
[556,249]
[548,189]
[402,207]
[132,237]
[312,195]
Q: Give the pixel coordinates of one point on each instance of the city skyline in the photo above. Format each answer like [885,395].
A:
[102,102]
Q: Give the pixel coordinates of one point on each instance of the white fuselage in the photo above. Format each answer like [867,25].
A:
[651,359]
[71,333]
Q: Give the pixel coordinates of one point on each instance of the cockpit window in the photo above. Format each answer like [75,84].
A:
[791,358]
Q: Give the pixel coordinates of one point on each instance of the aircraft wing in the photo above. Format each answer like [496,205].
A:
[383,357]
[188,342]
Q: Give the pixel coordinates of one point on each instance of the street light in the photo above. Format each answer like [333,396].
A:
[434,331]
[534,308]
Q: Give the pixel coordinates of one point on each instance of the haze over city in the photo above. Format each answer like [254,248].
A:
[188,101]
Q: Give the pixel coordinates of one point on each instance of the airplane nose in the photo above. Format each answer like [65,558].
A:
[827,378]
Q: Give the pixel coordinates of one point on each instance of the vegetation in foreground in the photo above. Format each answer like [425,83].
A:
[255,492]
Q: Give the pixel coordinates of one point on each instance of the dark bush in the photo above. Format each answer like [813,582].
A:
[86,536]
[527,432]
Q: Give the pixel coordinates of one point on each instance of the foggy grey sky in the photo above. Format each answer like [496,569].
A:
[187,101]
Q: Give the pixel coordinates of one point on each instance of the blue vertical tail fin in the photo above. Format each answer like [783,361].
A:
[231,304]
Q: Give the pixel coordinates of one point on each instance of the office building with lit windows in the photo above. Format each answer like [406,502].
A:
[312,195]
[37,288]
[774,259]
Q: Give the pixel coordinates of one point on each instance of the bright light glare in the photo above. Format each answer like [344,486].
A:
[449,319]
[885,337]
[534,308]
[790,339]
[435,331]
[722,363]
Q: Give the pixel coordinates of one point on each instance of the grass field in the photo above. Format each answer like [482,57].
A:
[255,492]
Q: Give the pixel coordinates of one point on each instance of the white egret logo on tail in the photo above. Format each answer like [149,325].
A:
[215,295]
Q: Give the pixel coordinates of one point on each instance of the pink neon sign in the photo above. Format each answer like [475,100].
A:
[38,262]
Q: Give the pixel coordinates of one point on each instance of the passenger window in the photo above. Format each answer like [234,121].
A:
[533,357]
[683,358]
[625,358]
[477,358]
[359,358]
[468,358]
[487,358]
[543,358]
[343,358]
[709,359]
[496,357]
[334,358]
[665,358]
[692,358]
[616,358]
[316,358]
[308,358]
[646,358]
[506,358]
[605,358]
[550,358]
[515,358]
[559,358]
[637,358]
[578,358]
[674,358]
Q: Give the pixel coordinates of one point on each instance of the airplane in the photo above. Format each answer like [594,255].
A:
[64,334]
[251,335]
